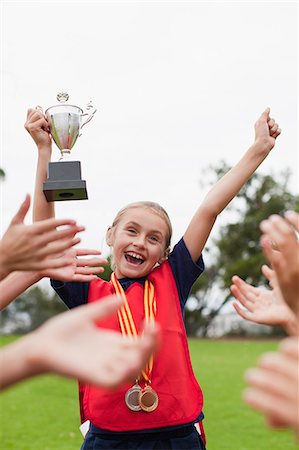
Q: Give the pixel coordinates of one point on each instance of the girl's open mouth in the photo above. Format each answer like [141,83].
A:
[134,258]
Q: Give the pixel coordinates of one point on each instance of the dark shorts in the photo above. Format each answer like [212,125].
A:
[186,438]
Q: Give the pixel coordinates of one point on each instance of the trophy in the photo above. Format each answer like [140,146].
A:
[64,176]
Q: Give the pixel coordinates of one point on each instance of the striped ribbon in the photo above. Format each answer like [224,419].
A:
[126,320]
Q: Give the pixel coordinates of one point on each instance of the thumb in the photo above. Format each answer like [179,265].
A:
[266,114]
[267,272]
[20,216]
[102,309]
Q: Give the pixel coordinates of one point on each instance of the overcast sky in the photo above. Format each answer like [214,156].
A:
[178,86]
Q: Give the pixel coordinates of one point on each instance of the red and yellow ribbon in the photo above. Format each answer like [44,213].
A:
[126,320]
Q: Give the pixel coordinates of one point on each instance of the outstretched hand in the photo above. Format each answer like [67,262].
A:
[261,305]
[37,246]
[78,269]
[281,248]
[274,386]
[72,345]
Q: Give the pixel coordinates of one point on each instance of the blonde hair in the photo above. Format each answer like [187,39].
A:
[156,208]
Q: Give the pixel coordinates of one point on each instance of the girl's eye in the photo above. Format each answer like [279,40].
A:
[154,239]
[131,230]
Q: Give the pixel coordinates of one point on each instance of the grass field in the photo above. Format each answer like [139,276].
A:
[42,413]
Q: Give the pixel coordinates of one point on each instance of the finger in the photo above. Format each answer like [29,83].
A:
[36,115]
[90,262]
[239,296]
[268,251]
[278,229]
[30,112]
[273,129]
[280,363]
[278,132]
[273,407]
[50,224]
[87,251]
[51,263]
[293,218]
[38,124]
[101,309]
[39,108]
[271,122]
[271,382]
[268,273]
[20,216]
[89,270]
[243,313]
[290,346]
[79,277]
[53,236]
[243,285]
[57,247]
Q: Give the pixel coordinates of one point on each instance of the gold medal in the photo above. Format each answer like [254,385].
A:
[148,399]
[132,398]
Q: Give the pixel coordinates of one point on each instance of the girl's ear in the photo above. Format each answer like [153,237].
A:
[109,236]
[164,256]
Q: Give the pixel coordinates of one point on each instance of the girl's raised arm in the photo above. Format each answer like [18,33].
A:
[221,194]
[38,127]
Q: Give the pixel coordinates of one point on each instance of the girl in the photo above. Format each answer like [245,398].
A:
[161,409]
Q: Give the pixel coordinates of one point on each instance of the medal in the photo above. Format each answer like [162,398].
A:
[132,398]
[148,399]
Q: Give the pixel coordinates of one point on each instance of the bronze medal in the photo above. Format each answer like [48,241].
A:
[148,399]
[132,398]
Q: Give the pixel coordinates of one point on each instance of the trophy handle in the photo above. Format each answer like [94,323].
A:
[88,114]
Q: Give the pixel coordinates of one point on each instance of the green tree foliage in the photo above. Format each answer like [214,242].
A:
[239,251]
[30,310]
[2,174]
[107,270]
[236,248]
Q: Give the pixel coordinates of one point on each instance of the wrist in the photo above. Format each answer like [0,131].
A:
[290,324]
[261,147]
[33,276]
[44,147]
[4,270]
[35,352]
[18,361]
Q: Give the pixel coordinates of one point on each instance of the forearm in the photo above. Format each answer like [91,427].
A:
[219,197]
[232,182]
[18,361]
[14,285]
[41,208]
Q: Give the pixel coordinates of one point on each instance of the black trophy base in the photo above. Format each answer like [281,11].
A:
[64,182]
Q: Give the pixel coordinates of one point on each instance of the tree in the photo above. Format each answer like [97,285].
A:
[30,310]
[236,248]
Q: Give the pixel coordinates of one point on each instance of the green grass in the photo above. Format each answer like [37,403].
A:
[42,413]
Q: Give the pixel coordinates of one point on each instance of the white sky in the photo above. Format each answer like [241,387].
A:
[178,86]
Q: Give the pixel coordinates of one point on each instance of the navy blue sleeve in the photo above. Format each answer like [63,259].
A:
[184,270]
[72,293]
